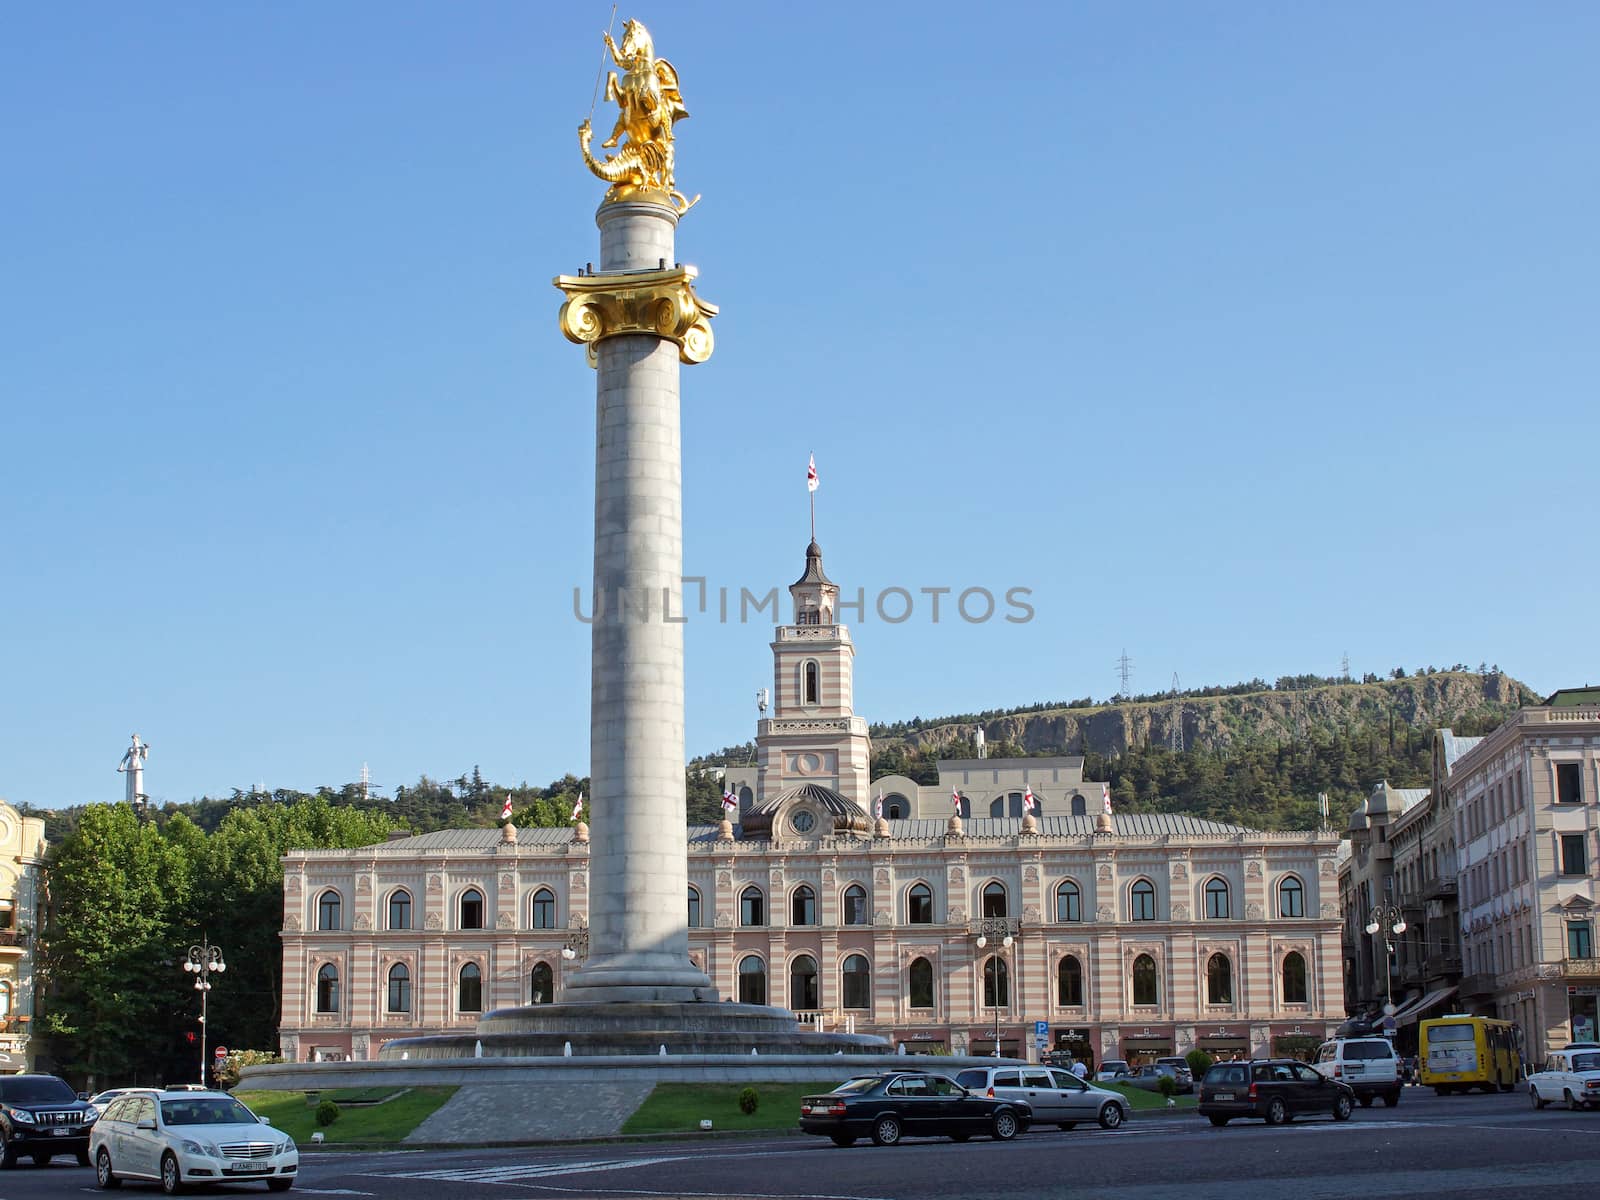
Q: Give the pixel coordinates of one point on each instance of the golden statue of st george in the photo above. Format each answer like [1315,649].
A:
[649,104]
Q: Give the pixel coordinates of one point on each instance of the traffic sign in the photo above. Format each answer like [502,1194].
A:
[1041,1033]
[221,1052]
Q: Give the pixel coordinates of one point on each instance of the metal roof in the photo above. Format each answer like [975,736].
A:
[1455,747]
[1126,824]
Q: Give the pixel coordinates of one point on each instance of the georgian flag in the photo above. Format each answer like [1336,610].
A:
[577,809]
[1105,797]
[811,475]
[877,809]
[1028,802]
[505,812]
[955,801]
[730,802]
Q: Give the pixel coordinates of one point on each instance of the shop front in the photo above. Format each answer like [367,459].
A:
[1148,1044]
[981,1042]
[1074,1042]
[1583,1005]
[1296,1041]
[921,1040]
[1223,1042]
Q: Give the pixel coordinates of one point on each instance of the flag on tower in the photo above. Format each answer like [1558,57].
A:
[811,475]
[877,809]
[955,800]
[1105,797]
[1028,802]
[577,809]
[730,802]
[505,812]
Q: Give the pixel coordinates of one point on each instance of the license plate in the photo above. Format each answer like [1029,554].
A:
[1223,1096]
[60,1132]
[246,1166]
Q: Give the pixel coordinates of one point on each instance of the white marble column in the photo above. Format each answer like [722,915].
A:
[638,863]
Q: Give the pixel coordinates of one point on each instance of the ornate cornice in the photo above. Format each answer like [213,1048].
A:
[655,303]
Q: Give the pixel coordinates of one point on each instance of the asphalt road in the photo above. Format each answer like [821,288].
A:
[1464,1147]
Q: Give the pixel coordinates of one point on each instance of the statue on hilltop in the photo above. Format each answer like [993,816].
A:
[649,104]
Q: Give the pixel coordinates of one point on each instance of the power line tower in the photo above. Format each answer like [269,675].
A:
[1125,672]
[1344,665]
[1175,721]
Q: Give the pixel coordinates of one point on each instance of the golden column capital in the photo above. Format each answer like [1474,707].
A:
[658,303]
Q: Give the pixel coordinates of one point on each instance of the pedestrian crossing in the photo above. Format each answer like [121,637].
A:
[521,1172]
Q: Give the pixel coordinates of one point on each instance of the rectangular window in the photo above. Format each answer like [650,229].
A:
[1569,783]
[1580,940]
[1574,860]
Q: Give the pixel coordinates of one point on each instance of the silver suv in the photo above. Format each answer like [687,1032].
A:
[1368,1064]
[1057,1096]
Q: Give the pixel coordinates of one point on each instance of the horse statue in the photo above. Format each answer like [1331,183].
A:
[649,104]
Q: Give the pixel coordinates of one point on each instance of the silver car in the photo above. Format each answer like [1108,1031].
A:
[180,1139]
[1057,1097]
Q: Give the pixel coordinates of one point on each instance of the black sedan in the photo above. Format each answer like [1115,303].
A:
[895,1104]
[1275,1090]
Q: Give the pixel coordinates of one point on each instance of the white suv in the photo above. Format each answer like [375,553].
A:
[1368,1064]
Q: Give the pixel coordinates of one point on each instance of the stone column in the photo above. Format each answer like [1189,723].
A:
[638,857]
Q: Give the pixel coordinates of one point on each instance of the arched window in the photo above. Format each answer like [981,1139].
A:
[813,684]
[1291,897]
[1217,900]
[803,983]
[919,905]
[400,910]
[469,996]
[996,983]
[857,978]
[997,807]
[541,984]
[803,906]
[472,909]
[543,909]
[694,909]
[1142,901]
[894,806]
[1294,978]
[752,980]
[328,988]
[1014,804]
[1078,808]
[328,910]
[745,796]
[1069,902]
[963,807]
[399,988]
[1069,982]
[752,907]
[855,905]
[919,981]
[1219,980]
[994,899]
[1144,980]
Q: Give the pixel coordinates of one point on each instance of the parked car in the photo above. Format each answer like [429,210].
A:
[1368,1064]
[42,1117]
[1276,1090]
[184,1138]
[1184,1074]
[1112,1068]
[102,1100]
[1055,1095]
[1571,1076]
[890,1105]
[1150,1075]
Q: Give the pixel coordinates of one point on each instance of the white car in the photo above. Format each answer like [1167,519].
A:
[1571,1076]
[102,1100]
[184,1138]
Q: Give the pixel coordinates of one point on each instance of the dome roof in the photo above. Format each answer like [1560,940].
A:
[814,572]
[846,813]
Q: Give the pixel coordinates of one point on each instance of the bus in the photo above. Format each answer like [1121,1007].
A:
[1458,1053]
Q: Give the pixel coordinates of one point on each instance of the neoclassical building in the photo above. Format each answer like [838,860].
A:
[22,851]
[1128,936]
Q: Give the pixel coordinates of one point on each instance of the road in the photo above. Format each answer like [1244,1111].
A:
[1464,1147]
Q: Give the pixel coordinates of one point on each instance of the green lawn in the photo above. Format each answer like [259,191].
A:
[1139,1098]
[680,1107]
[363,1121]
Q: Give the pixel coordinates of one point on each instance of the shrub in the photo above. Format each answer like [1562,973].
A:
[749,1101]
[1199,1062]
[327,1113]
[1167,1086]
[227,1071]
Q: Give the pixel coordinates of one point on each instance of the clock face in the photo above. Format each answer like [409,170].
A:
[802,821]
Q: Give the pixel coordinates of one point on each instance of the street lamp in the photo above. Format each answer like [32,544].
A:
[577,946]
[1386,917]
[999,928]
[203,959]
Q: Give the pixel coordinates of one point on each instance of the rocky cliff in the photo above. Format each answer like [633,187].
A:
[1224,722]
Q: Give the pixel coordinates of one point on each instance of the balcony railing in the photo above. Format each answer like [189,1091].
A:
[12,937]
[1477,985]
[1438,889]
[1438,965]
[1581,968]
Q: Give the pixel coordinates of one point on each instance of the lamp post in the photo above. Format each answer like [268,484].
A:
[203,960]
[996,928]
[577,945]
[1387,918]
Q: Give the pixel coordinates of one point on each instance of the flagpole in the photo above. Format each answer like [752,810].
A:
[812,495]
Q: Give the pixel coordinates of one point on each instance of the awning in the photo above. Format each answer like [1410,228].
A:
[1414,1010]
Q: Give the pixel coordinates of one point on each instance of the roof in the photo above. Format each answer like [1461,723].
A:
[467,839]
[1455,747]
[830,800]
[1126,824]
[1574,697]
[814,572]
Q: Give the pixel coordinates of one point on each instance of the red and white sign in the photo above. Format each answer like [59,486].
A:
[221,1052]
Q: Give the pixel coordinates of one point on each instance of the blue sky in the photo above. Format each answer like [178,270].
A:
[1244,335]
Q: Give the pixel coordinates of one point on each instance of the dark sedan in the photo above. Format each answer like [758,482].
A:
[1275,1090]
[895,1104]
